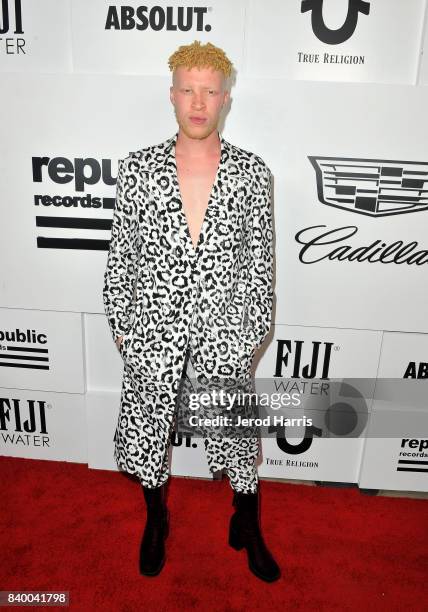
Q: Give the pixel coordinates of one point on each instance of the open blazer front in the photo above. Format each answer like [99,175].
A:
[165,296]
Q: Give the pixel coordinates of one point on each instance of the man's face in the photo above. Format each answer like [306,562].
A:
[198,93]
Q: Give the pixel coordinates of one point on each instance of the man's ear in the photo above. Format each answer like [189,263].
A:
[171,94]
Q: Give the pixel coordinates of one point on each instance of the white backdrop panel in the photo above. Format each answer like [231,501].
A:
[280,41]
[403,355]
[55,134]
[396,463]
[41,349]
[335,439]
[104,364]
[398,459]
[139,38]
[403,374]
[35,36]
[43,425]
[101,417]
[346,121]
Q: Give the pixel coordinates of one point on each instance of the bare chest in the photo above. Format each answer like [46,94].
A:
[196,181]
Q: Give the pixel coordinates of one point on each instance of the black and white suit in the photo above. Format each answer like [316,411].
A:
[169,299]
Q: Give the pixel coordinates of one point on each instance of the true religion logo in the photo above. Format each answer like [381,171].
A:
[327,35]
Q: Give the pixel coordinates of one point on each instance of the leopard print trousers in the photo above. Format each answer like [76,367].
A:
[221,453]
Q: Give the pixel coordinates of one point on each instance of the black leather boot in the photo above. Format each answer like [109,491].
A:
[152,549]
[244,532]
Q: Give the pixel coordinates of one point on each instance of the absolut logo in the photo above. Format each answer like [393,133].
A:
[81,174]
[177,439]
[14,355]
[157,18]
[23,422]
[11,25]
[416,370]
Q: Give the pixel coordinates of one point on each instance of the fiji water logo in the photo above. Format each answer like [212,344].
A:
[23,423]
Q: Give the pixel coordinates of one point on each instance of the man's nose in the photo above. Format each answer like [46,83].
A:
[198,101]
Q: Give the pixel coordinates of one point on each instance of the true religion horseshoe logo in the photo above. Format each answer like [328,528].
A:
[325,34]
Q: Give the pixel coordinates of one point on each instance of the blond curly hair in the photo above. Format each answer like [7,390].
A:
[201,56]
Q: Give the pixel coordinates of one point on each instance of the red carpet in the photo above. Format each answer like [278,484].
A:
[69,528]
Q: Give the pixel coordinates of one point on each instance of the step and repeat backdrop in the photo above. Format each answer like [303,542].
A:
[332,95]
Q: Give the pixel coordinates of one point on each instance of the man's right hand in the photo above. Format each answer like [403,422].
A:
[119,341]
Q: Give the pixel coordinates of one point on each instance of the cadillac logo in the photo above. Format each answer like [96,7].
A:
[374,187]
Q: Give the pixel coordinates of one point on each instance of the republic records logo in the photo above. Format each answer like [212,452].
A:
[346,30]
[74,218]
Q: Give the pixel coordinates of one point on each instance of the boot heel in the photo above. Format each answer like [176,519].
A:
[234,539]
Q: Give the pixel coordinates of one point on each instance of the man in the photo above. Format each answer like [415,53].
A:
[188,283]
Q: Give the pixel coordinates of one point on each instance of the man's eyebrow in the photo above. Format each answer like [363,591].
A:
[203,86]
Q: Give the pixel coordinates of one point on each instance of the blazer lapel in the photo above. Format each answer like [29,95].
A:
[166,180]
